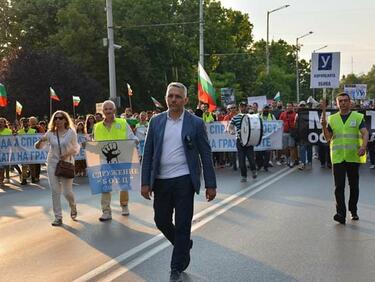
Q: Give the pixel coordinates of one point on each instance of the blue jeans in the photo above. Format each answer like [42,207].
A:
[305,153]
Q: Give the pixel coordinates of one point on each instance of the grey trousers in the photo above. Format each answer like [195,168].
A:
[59,185]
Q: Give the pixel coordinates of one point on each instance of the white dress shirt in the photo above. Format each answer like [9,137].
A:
[173,160]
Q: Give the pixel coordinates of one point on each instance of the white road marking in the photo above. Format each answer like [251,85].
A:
[215,208]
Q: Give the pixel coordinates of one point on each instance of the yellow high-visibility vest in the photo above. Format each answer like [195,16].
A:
[6,131]
[346,138]
[118,130]
[29,131]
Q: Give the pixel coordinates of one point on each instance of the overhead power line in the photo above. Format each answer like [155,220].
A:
[156,25]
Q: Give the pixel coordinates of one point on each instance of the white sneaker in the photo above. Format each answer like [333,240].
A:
[125,210]
[105,217]
[278,163]
[301,166]
[372,166]
[243,179]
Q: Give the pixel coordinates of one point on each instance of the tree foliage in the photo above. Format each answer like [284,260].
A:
[160,43]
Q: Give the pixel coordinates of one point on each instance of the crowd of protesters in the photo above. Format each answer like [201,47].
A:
[295,152]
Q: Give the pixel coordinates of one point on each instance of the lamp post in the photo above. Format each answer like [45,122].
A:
[325,46]
[297,70]
[268,32]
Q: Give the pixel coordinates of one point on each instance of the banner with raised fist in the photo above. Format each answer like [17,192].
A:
[112,165]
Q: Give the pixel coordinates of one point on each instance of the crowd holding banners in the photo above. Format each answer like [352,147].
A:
[310,129]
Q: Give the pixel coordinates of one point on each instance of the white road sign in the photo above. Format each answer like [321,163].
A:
[325,70]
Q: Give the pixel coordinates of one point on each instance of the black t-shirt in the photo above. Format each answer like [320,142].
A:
[344,119]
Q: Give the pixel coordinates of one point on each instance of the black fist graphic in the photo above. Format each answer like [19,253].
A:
[110,151]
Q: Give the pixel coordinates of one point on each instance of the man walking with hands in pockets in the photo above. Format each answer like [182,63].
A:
[176,146]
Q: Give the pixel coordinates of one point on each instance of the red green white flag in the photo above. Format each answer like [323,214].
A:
[206,91]
[18,108]
[76,101]
[157,103]
[52,94]
[130,91]
[3,96]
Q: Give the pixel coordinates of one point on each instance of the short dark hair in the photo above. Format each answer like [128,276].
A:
[343,94]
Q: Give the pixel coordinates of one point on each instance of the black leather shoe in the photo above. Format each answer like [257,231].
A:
[339,218]
[187,258]
[175,276]
[355,216]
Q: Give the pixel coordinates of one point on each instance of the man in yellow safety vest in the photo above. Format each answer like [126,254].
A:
[348,138]
[112,128]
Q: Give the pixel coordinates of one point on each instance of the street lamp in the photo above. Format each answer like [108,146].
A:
[268,32]
[325,46]
[297,70]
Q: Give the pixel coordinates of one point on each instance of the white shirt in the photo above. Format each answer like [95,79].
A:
[173,160]
[68,141]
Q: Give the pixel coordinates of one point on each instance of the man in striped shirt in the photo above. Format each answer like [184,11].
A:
[243,151]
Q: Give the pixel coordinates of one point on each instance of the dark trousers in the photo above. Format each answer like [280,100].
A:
[371,152]
[340,171]
[324,156]
[243,153]
[262,159]
[175,194]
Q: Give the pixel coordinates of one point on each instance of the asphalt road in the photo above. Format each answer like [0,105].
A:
[276,228]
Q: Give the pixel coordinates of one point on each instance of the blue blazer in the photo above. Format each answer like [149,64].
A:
[197,151]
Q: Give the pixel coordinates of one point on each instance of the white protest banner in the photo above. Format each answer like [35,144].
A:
[112,165]
[260,100]
[221,141]
[19,149]
[356,91]
[325,70]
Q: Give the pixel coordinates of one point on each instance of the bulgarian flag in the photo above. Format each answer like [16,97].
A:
[76,101]
[206,91]
[157,103]
[18,108]
[52,94]
[277,97]
[130,91]
[3,96]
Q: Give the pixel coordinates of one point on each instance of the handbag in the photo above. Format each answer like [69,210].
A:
[63,168]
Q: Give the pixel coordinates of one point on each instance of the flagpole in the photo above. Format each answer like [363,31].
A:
[50,107]
[74,112]
[130,102]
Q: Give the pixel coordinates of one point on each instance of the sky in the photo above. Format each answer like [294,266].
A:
[346,26]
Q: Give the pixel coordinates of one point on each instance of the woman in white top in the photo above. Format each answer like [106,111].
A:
[60,125]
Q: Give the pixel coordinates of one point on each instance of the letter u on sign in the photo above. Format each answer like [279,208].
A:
[325,61]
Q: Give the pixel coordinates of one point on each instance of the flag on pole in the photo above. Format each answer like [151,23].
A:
[277,97]
[18,108]
[157,103]
[76,101]
[206,91]
[52,94]
[3,96]
[130,91]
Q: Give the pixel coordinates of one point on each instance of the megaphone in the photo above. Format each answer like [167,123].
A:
[314,103]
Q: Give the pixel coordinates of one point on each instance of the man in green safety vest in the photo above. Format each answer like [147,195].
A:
[348,138]
[112,128]
[26,169]
[4,130]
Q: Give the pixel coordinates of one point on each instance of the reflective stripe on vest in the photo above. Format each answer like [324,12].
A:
[346,138]
[118,130]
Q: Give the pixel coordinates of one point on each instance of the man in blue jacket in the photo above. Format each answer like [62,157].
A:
[176,148]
